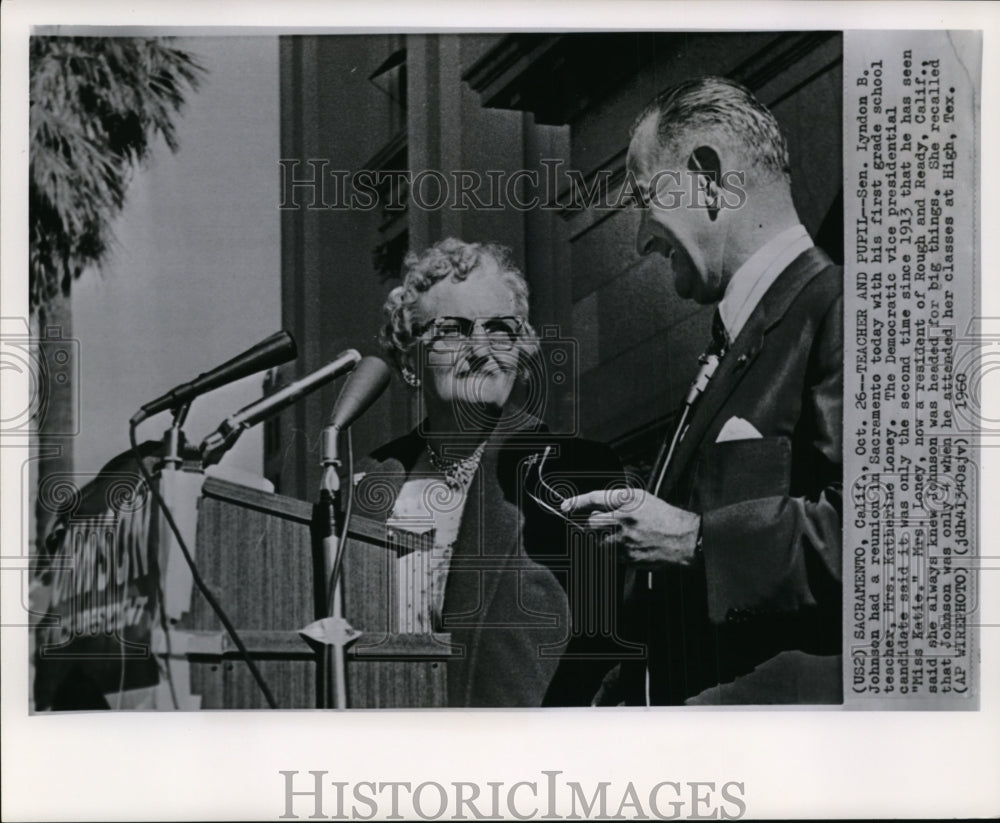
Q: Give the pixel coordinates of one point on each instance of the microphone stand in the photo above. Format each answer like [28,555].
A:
[173,439]
[332,631]
[363,387]
[169,467]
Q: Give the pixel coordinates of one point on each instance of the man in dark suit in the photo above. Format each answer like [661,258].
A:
[734,553]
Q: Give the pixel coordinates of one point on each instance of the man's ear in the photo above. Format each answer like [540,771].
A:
[705,165]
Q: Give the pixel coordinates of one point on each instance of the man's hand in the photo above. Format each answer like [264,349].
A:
[650,533]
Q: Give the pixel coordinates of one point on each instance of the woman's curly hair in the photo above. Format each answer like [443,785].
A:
[455,259]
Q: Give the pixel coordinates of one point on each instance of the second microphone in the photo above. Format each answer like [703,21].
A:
[226,435]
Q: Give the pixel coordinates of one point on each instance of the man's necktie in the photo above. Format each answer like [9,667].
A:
[708,361]
[720,337]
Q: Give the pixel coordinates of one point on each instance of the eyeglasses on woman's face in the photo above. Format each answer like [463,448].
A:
[445,334]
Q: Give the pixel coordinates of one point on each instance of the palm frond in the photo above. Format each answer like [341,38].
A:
[97,104]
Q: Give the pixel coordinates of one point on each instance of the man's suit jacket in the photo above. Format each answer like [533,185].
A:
[758,618]
[505,601]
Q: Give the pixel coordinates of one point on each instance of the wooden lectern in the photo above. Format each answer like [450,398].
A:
[256,552]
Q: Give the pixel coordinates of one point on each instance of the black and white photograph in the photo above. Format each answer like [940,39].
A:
[507,416]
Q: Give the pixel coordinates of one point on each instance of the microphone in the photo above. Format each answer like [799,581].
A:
[362,389]
[224,437]
[277,349]
[709,363]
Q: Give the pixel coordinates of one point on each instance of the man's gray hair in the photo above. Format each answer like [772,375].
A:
[725,108]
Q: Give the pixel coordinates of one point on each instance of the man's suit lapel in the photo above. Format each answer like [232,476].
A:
[736,364]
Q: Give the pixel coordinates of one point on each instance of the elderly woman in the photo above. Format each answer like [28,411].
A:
[466,507]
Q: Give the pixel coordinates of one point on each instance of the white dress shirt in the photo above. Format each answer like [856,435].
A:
[751,281]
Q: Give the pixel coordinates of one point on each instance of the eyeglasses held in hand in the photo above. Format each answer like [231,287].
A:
[553,495]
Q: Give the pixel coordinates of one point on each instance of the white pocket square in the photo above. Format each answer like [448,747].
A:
[736,428]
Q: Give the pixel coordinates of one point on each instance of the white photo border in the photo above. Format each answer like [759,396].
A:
[225,765]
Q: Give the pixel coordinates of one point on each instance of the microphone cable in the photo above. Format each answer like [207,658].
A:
[346,522]
[196,577]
